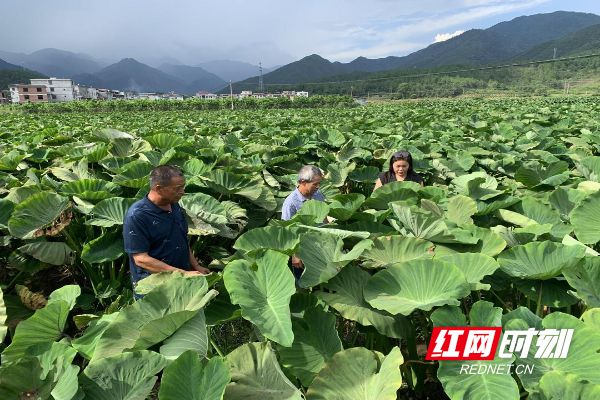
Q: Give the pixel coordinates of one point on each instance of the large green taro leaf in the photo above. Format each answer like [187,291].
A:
[202,208]
[191,336]
[45,325]
[549,292]
[556,385]
[364,174]
[256,375]
[345,295]
[110,212]
[54,253]
[35,213]
[515,218]
[488,386]
[393,249]
[582,360]
[208,216]
[105,248]
[44,372]
[477,185]
[90,189]
[6,209]
[477,189]
[341,233]
[9,161]
[489,243]
[165,141]
[241,185]
[315,342]
[485,386]
[427,226]
[396,191]
[128,376]
[590,168]
[564,200]
[122,147]
[332,137]
[570,241]
[190,378]
[278,238]
[535,174]
[358,374]
[539,260]
[343,206]
[337,173]
[474,266]
[17,195]
[584,277]
[86,343]
[400,288]
[134,175]
[323,257]
[461,209]
[264,295]
[157,158]
[108,134]
[155,317]
[586,219]
[312,212]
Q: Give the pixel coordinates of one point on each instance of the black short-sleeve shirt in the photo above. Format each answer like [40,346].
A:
[387,177]
[162,234]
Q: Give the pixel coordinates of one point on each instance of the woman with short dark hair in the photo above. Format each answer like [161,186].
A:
[400,169]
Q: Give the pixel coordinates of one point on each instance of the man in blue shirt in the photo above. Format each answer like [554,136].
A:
[155,229]
[309,181]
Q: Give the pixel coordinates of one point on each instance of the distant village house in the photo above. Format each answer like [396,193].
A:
[206,95]
[85,92]
[58,89]
[28,93]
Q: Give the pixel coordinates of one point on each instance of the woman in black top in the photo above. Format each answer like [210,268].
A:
[401,169]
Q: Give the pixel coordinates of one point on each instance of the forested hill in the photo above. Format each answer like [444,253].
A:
[500,43]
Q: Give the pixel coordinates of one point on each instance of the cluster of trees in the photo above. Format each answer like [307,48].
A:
[248,103]
[536,79]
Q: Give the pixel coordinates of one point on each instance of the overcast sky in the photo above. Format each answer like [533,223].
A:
[273,32]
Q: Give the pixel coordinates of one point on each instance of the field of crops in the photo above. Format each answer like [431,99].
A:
[505,233]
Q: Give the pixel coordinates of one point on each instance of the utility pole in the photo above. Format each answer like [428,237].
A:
[351,88]
[231,94]
[260,78]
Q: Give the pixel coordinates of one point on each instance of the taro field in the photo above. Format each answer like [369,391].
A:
[504,234]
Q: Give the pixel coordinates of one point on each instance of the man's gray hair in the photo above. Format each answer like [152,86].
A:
[308,173]
[163,174]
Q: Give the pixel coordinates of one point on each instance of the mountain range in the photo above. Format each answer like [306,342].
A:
[502,42]
[524,38]
[127,74]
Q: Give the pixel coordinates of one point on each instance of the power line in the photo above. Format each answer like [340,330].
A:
[487,68]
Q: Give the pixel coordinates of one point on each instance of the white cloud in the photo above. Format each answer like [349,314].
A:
[272,31]
[442,37]
[401,39]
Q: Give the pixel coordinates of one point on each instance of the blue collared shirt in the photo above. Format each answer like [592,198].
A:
[294,201]
[162,234]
